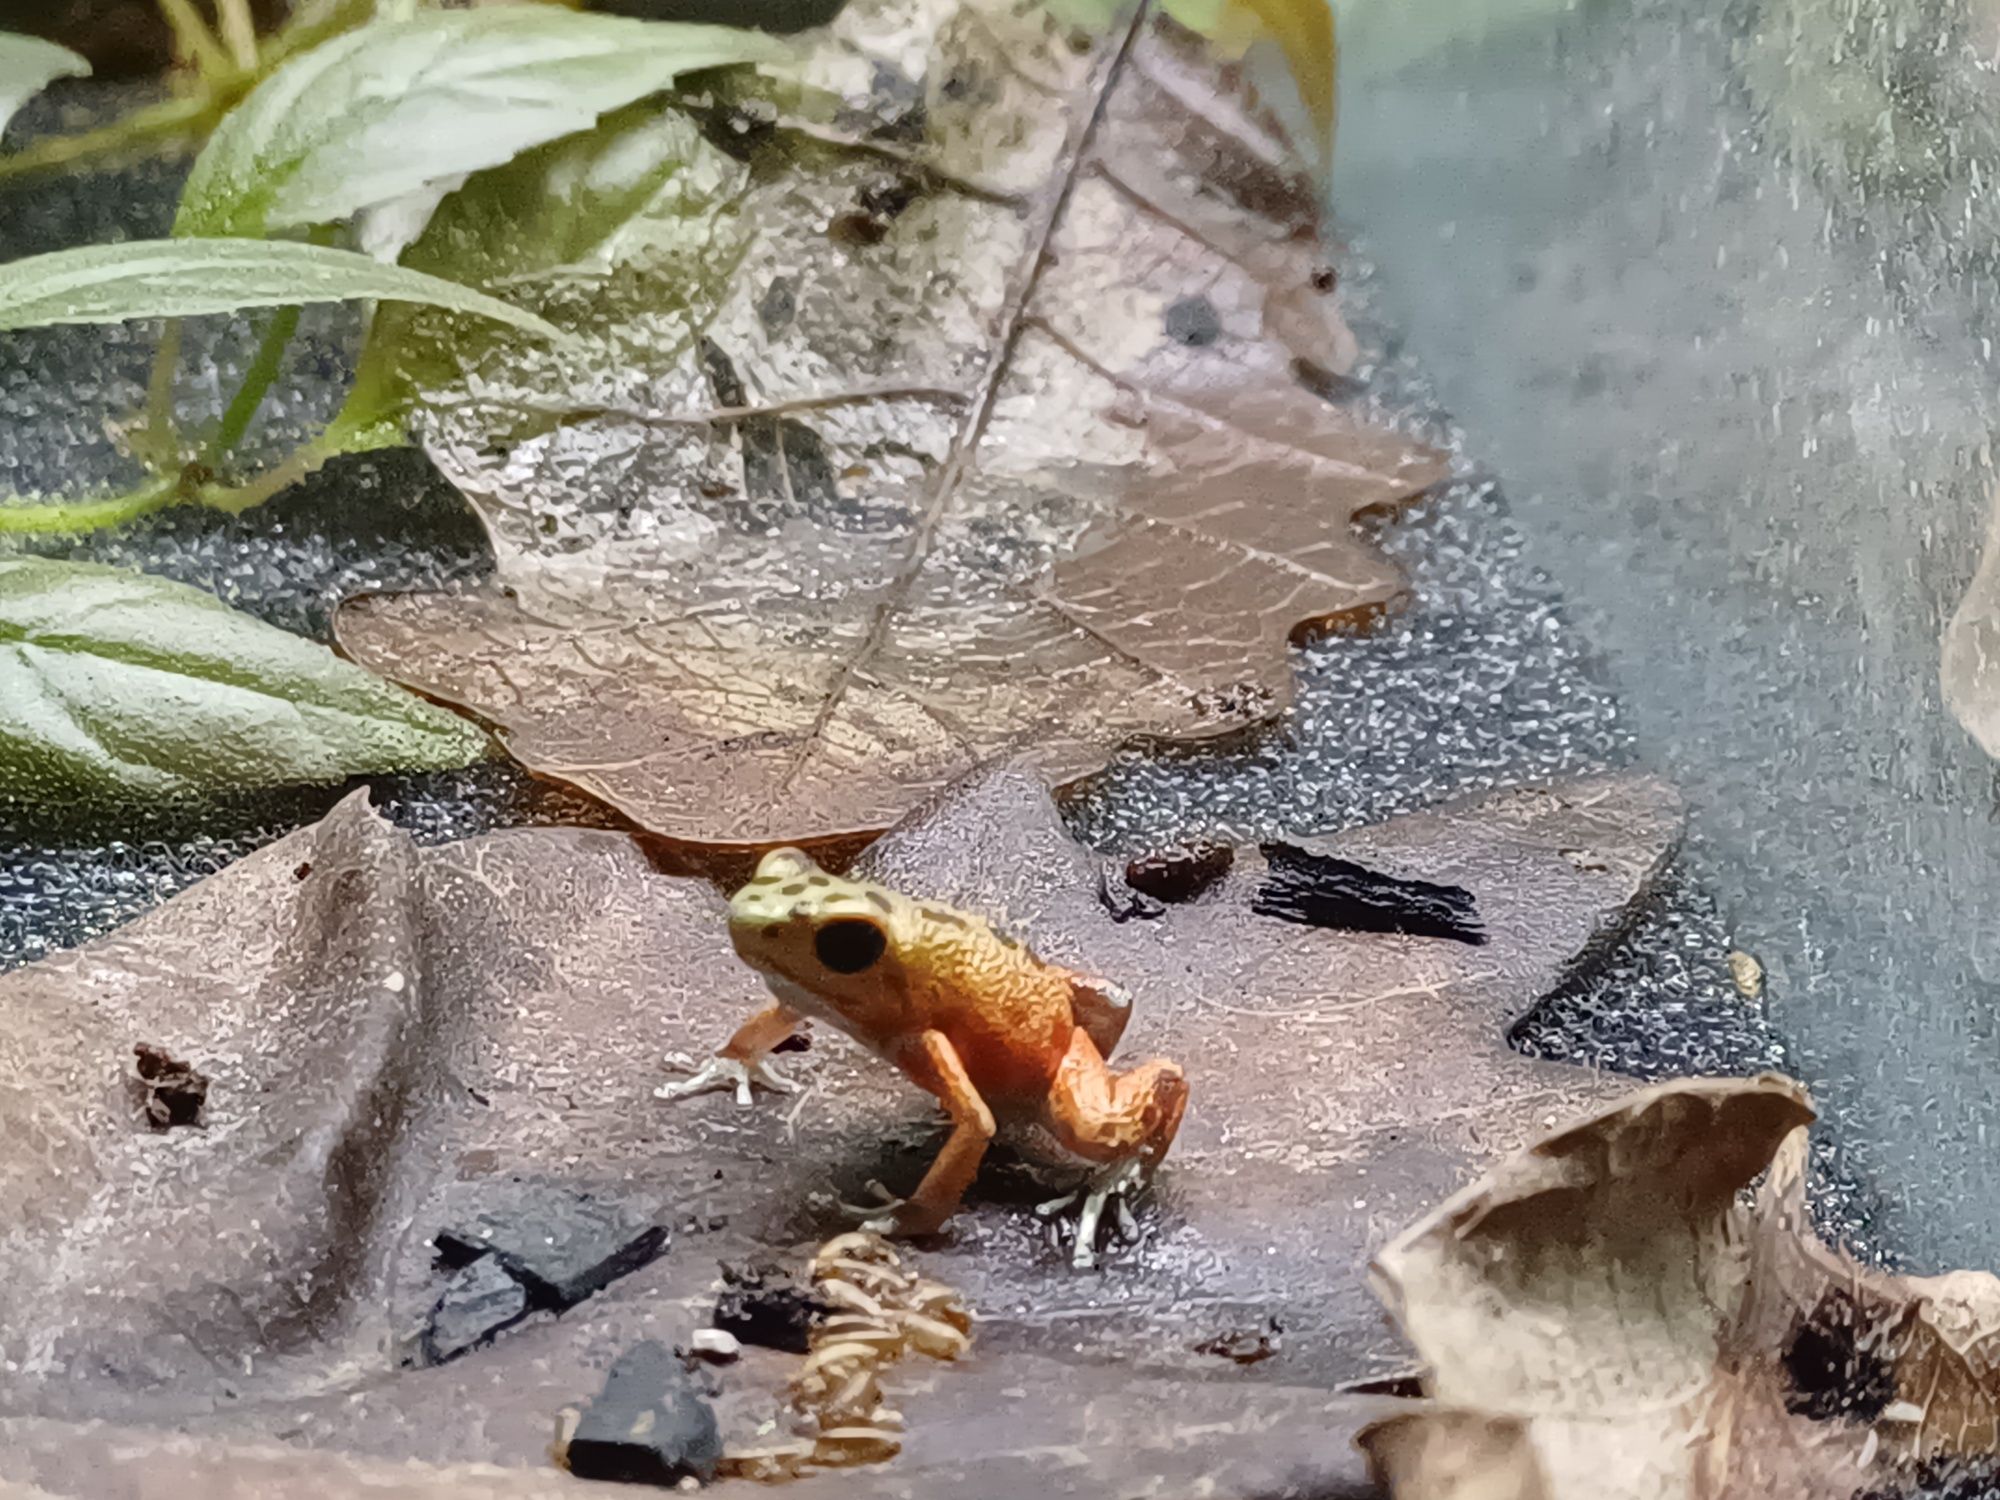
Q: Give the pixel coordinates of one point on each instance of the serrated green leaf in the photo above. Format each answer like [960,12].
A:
[28,65]
[186,278]
[376,114]
[121,682]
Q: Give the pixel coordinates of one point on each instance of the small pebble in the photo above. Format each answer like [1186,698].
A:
[715,1344]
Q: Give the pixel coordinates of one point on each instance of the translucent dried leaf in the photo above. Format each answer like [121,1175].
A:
[1969,652]
[943,423]
[1604,1315]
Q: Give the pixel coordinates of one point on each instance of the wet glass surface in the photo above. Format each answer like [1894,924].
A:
[1712,297]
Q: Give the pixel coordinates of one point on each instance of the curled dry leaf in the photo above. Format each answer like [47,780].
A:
[961,416]
[1604,1316]
[1969,652]
[404,1038]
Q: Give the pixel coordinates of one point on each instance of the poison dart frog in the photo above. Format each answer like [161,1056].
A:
[1001,1038]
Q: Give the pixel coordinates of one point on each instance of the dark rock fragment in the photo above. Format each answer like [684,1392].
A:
[1318,890]
[1193,321]
[173,1092]
[651,1424]
[764,1307]
[561,1246]
[1181,873]
[480,1301]
[1244,1346]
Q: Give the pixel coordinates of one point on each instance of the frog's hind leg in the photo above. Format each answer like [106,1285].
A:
[932,1062]
[1125,1121]
[741,1061]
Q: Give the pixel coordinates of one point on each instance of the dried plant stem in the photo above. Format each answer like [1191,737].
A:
[239,32]
[193,41]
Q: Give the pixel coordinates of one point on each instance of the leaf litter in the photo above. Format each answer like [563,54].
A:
[935,406]
[1607,1314]
[402,1038]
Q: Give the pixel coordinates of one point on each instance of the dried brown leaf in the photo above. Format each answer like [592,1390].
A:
[1969,649]
[402,1038]
[982,431]
[1606,1315]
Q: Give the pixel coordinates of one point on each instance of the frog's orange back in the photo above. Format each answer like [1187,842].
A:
[885,968]
[1008,1014]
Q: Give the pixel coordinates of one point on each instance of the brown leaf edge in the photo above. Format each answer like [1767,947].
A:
[1604,1315]
[1071,746]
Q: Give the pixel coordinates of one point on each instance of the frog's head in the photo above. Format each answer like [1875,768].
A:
[836,939]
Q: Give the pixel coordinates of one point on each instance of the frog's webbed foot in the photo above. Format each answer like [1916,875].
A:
[1112,1188]
[888,1216]
[878,1217]
[724,1073]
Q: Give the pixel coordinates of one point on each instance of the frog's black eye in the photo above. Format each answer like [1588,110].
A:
[849,946]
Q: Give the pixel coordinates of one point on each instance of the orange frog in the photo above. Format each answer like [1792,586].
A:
[1000,1037]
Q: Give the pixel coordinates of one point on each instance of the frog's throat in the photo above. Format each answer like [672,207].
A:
[796,998]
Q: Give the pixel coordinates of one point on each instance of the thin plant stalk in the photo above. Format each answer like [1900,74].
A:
[219,84]
[238,29]
[64,516]
[193,41]
[258,379]
[302,463]
[147,128]
[155,441]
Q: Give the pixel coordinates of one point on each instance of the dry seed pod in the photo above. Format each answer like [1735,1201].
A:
[849,1298]
[807,1391]
[767,1465]
[853,1328]
[934,1336]
[851,1401]
[860,1245]
[883,1281]
[935,1299]
[828,1358]
[855,1445]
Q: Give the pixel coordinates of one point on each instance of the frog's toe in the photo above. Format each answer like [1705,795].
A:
[872,1216]
[1111,1189]
[903,1221]
[725,1073]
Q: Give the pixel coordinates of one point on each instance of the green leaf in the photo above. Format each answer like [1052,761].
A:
[376,114]
[645,179]
[27,66]
[643,186]
[117,681]
[185,278]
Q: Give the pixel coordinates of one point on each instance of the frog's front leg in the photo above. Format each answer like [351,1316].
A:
[741,1061]
[933,1063]
[1127,1121]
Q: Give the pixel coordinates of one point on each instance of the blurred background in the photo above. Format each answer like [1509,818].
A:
[1711,292]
